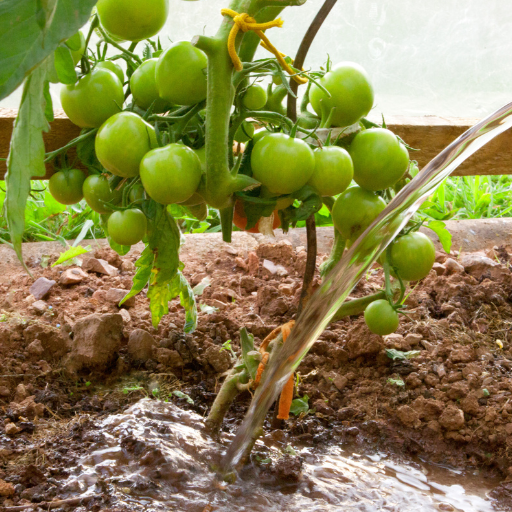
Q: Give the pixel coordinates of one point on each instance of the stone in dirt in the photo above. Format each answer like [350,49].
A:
[96,341]
[72,276]
[116,295]
[218,359]
[169,357]
[126,316]
[408,416]
[452,267]
[6,488]
[100,267]
[253,263]
[477,264]
[452,418]
[39,307]
[11,429]
[41,287]
[128,266]
[461,354]
[27,408]
[109,255]
[35,348]
[141,345]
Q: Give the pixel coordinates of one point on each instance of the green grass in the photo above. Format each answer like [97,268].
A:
[469,197]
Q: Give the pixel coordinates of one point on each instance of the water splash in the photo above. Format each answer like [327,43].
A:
[324,304]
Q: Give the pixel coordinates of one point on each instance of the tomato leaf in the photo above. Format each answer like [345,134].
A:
[26,153]
[300,405]
[64,65]
[144,266]
[311,203]
[445,237]
[247,343]
[256,207]
[71,253]
[181,287]
[30,30]
[48,110]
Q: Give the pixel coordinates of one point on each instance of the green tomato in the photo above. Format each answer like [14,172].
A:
[133,20]
[333,171]
[255,97]
[66,186]
[127,227]
[245,132]
[351,93]
[181,74]
[137,193]
[259,135]
[355,210]
[76,44]
[115,68]
[380,159]
[144,89]
[96,97]
[281,163]
[171,174]
[97,193]
[122,141]
[381,318]
[413,256]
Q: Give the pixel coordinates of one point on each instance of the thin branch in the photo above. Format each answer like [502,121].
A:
[302,52]
[309,273]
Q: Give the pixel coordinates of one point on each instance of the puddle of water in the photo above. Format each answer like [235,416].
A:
[155,457]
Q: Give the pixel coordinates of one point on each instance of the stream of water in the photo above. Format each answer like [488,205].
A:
[336,287]
[155,457]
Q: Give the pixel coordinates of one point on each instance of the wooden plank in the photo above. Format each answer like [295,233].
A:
[430,134]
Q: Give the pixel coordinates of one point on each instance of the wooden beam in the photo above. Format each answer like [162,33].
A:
[430,134]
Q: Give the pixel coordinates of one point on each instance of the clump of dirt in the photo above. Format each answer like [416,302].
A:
[441,387]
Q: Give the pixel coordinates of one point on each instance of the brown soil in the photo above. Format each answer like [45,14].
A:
[450,404]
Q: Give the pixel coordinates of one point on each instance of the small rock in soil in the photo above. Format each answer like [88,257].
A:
[6,488]
[27,408]
[274,269]
[39,307]
[116,295]
[11,429]
[141,345]
[218,359]
[438,268]
[253,263]
[72,276]
[4,391]
[452,418]
[128,266]
[100,267]
[361,342]
[452,267]
[408,416]
[109,255]
[35,348]
[41,287]
[96,341]
[52,340]
[477,264]
[169,357]
[21,393]
[127,318]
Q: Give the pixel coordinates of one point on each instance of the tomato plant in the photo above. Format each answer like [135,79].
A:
[98,193]
[133,20]
[170,174]
[180,74]
[95,98]
[333,171]
[380,159]
[381,318]
[144,89]
[127,227]
[66,186]
[121,143]
[254,97]
[413,256]
[351,94]
[282,163]
[240,219]
[245,132]
[112,66]
[355,210]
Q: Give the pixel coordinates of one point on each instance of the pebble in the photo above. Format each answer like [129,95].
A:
[39,307]
[126,315]
[116,295]
[41,287]
[11,429]
[453,267]
[128,266]
[100,267]
[72,276]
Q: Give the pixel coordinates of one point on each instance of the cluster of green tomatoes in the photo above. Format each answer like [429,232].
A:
[359,171]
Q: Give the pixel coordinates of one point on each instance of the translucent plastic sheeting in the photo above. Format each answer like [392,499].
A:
[441,57]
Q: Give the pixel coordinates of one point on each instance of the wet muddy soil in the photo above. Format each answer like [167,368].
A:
[71,360]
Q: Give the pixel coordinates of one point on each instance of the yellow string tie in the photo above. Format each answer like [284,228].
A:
[246,23]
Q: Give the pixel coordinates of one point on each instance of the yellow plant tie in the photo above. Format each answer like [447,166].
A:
[245,23]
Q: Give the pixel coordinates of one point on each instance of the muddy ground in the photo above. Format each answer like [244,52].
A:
[69,354]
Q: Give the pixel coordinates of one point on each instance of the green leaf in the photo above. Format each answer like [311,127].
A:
[209,310]
[31,30]
[64,65]
[144,266]
[180,394]
[300,405]
[396,382]
[48,110]
[398,354]
[256,207]
[247,343]
[311,203]
[26,153]
[199,288]
[445,237]
[74,42]
[181,286]
[71,253]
